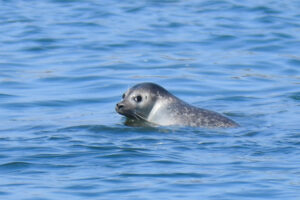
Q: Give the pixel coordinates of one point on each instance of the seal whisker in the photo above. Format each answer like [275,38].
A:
[140,116]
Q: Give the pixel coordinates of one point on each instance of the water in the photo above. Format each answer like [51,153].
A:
[65,64]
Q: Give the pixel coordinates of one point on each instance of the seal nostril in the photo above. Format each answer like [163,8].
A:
[120,106]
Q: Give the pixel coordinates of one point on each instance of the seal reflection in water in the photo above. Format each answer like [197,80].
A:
[152,103]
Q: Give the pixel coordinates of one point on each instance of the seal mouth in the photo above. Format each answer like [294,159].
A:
[121,109]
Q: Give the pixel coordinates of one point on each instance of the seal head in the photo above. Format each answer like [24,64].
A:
[138,101]
[154,104]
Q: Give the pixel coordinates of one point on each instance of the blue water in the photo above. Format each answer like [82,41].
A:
[64,64]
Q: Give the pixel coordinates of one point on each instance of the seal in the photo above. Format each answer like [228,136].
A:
[154,104]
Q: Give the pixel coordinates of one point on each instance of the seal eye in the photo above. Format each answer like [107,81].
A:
[123,96]
[138,98]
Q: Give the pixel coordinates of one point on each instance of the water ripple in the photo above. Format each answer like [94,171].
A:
[66,63]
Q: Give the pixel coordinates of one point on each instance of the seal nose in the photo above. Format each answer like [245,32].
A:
[119,106]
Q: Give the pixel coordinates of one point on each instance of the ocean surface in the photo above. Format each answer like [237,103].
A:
[64,64]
